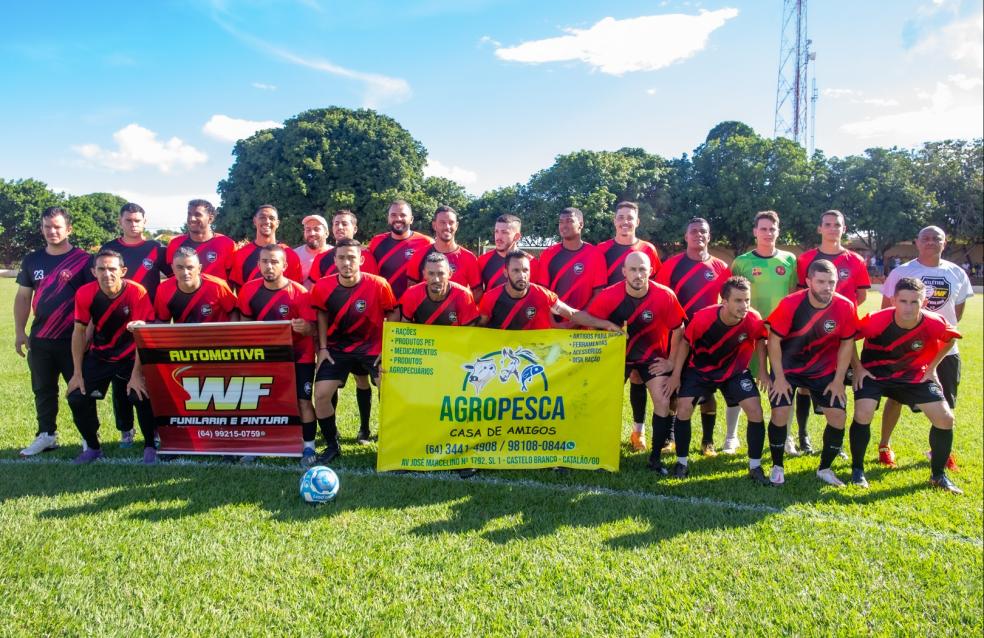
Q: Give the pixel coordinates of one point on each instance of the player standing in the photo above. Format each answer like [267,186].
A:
[811,341]
[394,250]
[315,244]
[46,284]
[191,297]
[214,249]
[492,265]
[573,269]
[772,274]
[246,259]
[463,263]
[438,300]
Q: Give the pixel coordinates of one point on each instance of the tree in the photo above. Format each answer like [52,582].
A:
[21,204]
[475,229]
[953,172]
[321,160]
[95,218]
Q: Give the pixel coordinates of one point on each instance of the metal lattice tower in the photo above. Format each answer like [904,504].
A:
[792,96]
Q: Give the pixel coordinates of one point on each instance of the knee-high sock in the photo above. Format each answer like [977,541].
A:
[707,425]
[731,419]
[637,399]
[777,443]
[755,433]
[803,407]
[833,441]
[328,429]
[859,437]
[682,435]
[940,444]
[364,398]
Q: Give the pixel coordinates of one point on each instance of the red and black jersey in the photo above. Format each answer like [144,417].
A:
[215,254]
[259,303]
[324,264]
[573,274]
[615,254]
[111,341]
[894,353]
[393,255]
[144,261]
[246,264]
[649,319]
[810,337]
[697,284]
[55,279]
[719,351]
[463,262]
[852,273]
[355,314]
[529,312]
[213,301]
[456,309]
[492,269]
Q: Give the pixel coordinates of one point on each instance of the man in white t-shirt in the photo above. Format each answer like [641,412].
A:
[947,290]
[315,243]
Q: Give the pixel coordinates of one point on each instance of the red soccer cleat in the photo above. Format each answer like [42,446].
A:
[886,456]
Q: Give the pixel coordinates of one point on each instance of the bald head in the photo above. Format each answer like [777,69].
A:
[636,269]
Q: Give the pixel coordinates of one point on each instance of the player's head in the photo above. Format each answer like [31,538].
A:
[273,261]
[266,221]
[909,298]
[570,223]
[445,224]
[437,273]
[348,258]
[344,225]
[133,218]
[56,225]
[108,269]
[636,269]
[766,228]
[626,219]
[697,234]
[507,232]
[821,280]
[399,216]
[315,231]
[832,225]
[930,242]
[201,215]
[517,268]
[187,267]
[736,293]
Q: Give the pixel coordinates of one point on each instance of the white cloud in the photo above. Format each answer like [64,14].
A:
[487,39]
[137,146]
[857,97]
[615,46]
[231,129]
[965,82]
[948,116]
[839,93]
[877,101]
[264,87]
[961,41]
[167,211]
[650,91]
[463,176]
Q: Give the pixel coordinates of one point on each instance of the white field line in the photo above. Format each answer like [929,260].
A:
[485,479]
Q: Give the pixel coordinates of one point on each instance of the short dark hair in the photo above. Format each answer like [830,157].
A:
[836,212]
[737,282]
[696,220]
[445,209]
[771,215]
[55,211]
[821,265]
[910,283]
[130,207]
[631,205]
[345,211]
[348,243]
[274,248]
[509,219]
[204,203]
[400,202]
[265,207]
[108,252]
[573,212]
[515,254]
[185,252]
[437,258]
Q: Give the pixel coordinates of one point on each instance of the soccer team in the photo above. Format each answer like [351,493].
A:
[771,323]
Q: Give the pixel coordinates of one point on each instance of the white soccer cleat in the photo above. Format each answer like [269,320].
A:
[828,477]
[731,446]
[42,443]
[778,475]
[791,447]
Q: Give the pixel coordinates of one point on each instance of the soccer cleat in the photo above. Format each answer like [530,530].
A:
[308,457]
[681,471]
[778,476]
[806,445]
[758,476]
[41,443]
[707,448]
[656,465]
[150,456]
[363,438]
[886,456]
[843,454]
[88,456]
[638,442]
[331,452]
[951,461]
[731,446]
[858,478]
[126,438]
[467,472]
[791,447]
[827,476]
[944,483]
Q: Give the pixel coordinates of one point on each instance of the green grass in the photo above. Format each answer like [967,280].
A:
[189,549]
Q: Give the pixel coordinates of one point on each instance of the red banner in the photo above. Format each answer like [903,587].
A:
[222,388]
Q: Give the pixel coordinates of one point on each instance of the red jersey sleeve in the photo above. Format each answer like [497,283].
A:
[674,315]
[541,276]
[409,301]
[849,325]
[487,303]
[802,264]
[605,301]
[861,272]
[781,318]
[415,266]
[164,294]
[386,299]
[468,312]
[942,330]
[369,264]
[83,302]
[143,308]
[227,299]
[244,294]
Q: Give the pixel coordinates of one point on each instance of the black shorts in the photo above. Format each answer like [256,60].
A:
[98,374]
[910,394]
[735,389]
[345,364]
[816,388]
[948,372]
[643,370]
[303,377]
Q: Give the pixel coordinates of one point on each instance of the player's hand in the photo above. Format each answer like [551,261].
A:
[76,383]
[135,324]
[671,386]
[929,375]
[765,383]
[300,326]
[781,390]
[860,374]
[837,391]
[660,366]
[138,386]
[610,327]
[20,344]
[324,355]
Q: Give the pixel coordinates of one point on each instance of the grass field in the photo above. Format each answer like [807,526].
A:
[116,548]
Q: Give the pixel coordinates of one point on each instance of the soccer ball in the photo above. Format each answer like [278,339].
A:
[319,485]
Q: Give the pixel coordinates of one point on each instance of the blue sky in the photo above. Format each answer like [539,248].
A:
[146,99]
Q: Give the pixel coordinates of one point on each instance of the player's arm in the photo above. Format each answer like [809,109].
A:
[79,343]
[136,384]
[861,294]
[780,387]
[22,310]
[846,353]
[582,318]
[886,302]
[679,351]
[323,338]
[394,315]
[959,310]
[930,374]
[763,365]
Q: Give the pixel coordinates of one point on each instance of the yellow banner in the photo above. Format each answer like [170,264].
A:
[455,398]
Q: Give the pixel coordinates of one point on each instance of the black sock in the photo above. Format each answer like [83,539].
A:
[859,437]
[777,443]
[707,425]
[803,407]
[755,435]
[661,429]
[682,437]
[309,430]
[334,401]
[637,399]
[328,429]
[940,444]
[833,441]
[145,417]
[364,398]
